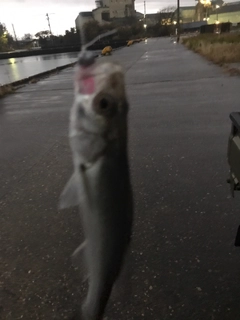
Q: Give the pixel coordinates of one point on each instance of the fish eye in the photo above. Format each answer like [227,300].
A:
[104,103]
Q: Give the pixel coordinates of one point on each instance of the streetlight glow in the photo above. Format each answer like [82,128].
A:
[205,2]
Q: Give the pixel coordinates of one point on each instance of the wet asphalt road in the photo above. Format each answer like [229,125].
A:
[184,264]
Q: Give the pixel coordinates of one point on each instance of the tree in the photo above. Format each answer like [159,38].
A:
[43,34]
[71,37]
[124,32]
[167,15]
[43,37]
[91,30]
[6,39]
[27,36]
[2,29]
[137,29]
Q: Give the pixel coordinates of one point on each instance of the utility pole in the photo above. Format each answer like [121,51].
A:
[14,32]
[16,40]
[48,19]
[178,20]
[145,21]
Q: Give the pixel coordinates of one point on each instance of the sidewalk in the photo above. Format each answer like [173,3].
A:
[183,260]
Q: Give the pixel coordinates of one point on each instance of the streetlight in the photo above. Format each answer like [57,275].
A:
[217,7]
[144,18]
[206,4]
[175,22]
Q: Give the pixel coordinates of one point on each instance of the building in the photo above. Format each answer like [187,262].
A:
[106,11]
[121,8]
[200,12]
[216,3]
[83,18]
[152,19]
[188,14]
[229,12]
[205,7]
[139,15]
[101,14]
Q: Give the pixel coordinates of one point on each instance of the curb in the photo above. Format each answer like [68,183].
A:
[13,86]
[41,74]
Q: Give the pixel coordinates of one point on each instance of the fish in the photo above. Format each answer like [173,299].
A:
[100,184]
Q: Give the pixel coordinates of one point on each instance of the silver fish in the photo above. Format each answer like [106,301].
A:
[100,184]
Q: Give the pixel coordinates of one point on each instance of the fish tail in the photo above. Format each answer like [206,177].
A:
[98,295]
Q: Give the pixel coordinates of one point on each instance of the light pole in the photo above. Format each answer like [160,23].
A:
[206,4]
[217,7]
[145,20]
[174,23]
[178,20]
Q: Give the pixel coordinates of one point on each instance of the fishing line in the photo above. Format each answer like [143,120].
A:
[85,45]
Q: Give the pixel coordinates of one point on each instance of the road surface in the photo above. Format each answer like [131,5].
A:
[183,261]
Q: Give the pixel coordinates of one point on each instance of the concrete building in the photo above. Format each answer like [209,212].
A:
[121,8]
[83,18]
[102,15]
[205,7]
[229,12]
[107,10]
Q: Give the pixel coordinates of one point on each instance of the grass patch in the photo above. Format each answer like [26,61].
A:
[220,49]
[6,90]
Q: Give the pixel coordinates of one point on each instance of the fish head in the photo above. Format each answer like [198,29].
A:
[100,98]
[98,118]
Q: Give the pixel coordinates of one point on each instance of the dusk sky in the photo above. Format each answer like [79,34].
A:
[29,16]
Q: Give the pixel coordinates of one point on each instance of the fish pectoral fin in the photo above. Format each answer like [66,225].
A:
[70,196]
